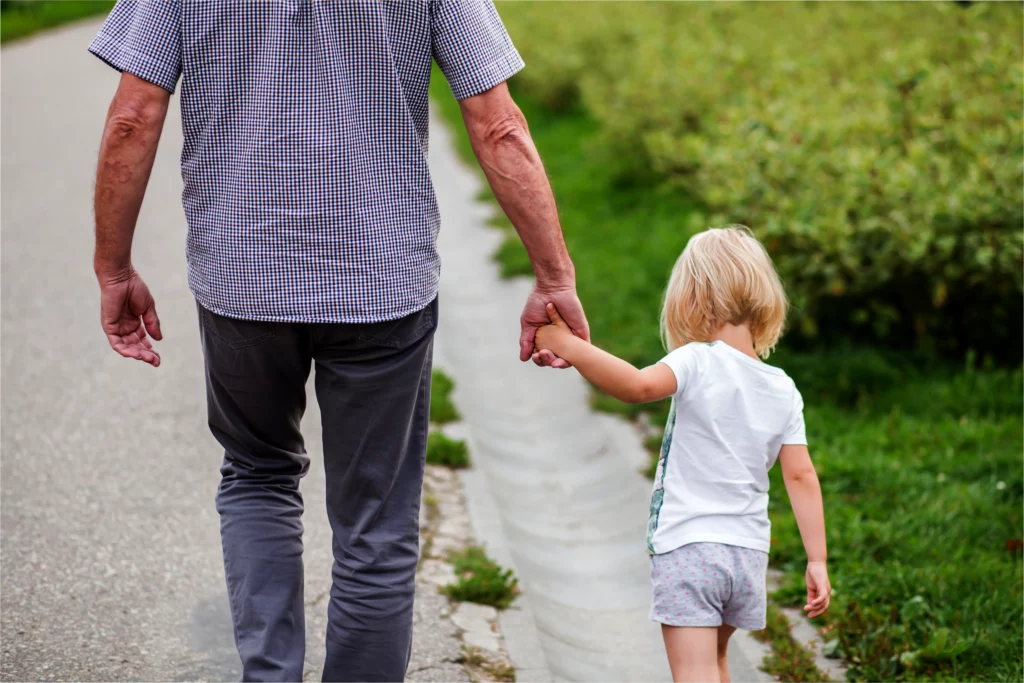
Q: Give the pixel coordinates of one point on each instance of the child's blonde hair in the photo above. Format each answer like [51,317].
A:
[724,276]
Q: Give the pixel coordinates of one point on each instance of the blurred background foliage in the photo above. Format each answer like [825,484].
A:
[21,18]
[874,148]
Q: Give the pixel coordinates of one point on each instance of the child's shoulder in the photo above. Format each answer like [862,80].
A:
[694,348]
[691,354]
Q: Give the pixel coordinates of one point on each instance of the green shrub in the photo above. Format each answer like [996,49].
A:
[874,147]
[442,410]
[25,17]
[481,580]
[447,452]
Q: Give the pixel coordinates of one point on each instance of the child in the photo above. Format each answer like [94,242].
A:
[732,416]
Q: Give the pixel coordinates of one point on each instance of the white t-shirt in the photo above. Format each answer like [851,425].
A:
[730,416]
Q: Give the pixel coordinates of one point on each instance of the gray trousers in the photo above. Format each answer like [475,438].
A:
[373,387]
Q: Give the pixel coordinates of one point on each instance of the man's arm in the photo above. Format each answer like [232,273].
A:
[502,144]
[130,137]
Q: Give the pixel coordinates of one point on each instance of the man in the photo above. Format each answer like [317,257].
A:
[311,241]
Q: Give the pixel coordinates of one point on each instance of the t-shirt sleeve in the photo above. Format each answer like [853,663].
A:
[796,434]
[471,46]
[143,38]
[683,362]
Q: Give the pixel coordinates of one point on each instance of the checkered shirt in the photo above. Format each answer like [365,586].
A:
[306,186]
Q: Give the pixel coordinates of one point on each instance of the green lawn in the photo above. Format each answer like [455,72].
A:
[920,460]
[21,19]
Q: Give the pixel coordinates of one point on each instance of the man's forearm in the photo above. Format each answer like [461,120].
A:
[127,151]
[505,150]
[516,175]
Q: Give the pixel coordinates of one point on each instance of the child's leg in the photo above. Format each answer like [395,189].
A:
[692,653]
[724,633]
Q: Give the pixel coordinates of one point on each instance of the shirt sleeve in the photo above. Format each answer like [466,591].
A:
[143,38]
[471,46]
[796,433]
[683,362]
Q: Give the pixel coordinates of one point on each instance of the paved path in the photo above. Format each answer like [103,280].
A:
[110,545]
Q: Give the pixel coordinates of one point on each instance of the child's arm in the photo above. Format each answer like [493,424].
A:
[610,374]
[805,497]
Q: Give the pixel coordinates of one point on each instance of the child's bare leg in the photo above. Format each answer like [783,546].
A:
[724,633]
[692,653]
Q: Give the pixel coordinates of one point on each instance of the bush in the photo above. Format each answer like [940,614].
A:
[446,452]
[875,148]
[22,18]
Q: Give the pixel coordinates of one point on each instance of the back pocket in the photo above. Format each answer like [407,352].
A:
[237,333]
[397,334]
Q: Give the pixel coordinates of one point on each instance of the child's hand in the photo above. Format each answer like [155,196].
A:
[819,590]
[553,337]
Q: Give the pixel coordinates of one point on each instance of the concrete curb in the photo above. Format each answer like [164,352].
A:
[516,623]
[805,633]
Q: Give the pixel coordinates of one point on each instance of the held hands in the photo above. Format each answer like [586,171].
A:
[553,337]
[535,316]
[819,590]
[128,316]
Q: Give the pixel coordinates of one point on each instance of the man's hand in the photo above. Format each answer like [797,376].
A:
[535,315]
[128,316]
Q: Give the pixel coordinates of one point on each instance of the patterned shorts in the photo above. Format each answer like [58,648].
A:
[708,584]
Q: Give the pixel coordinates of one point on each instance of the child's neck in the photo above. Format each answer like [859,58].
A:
[737,336]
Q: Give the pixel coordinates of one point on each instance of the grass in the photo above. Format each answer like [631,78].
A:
[447,452]
[923,496]
[920,460]
[22,19]
[789,660]
[442,410]
[481,580]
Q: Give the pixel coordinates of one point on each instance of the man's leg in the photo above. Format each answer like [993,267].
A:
[255,383]
[373,385]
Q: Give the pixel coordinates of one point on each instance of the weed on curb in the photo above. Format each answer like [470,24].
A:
[788,660]
[481,579]
[442,410]
[447,452]
[476,663]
